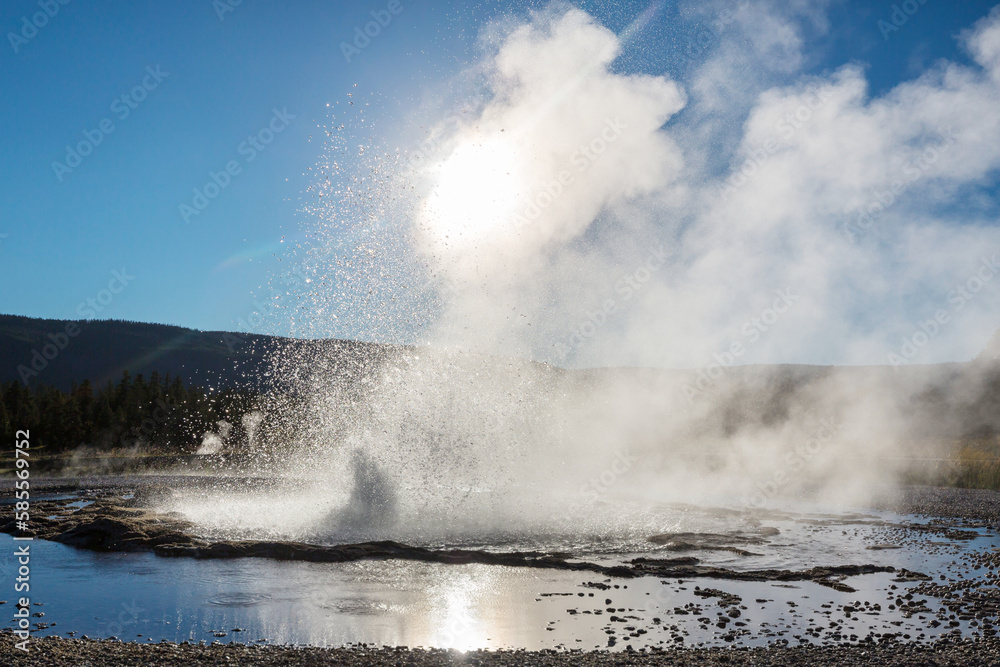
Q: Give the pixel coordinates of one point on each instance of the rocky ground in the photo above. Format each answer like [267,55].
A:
[92,653]
[979,506]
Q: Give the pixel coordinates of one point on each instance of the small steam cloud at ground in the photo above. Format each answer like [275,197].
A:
[251,422]
[213,441]
[579,217]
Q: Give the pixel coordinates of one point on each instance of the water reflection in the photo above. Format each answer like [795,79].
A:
[141,596]
[459,612]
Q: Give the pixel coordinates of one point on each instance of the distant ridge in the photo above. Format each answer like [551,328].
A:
[59,353]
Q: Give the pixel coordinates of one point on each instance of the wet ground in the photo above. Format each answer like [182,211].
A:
[774,578]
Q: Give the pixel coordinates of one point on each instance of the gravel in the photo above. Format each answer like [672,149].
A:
[94,653]
[980,506]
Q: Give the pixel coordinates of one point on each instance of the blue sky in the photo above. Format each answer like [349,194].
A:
[119,209]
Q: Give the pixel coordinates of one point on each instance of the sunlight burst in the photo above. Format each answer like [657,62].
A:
[476,191]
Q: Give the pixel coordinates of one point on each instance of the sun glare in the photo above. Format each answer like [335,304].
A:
[476,192]
[460,624]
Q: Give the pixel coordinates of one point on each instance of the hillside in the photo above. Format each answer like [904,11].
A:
[60,352]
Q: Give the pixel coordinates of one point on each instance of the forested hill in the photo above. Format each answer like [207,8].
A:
[59,353]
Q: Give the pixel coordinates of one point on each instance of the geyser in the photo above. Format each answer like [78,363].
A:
[473,435]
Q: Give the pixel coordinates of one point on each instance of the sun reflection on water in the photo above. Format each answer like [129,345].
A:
[461,611]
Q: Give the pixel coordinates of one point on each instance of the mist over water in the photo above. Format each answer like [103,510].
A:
[569,216]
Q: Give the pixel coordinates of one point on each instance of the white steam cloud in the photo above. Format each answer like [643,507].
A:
[582,216]
[562,139]
[869,210]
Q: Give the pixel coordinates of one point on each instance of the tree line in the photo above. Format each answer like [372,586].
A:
[159,413]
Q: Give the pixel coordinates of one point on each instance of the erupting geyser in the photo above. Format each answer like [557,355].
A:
[524,243]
